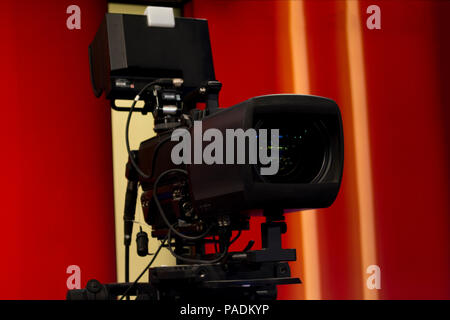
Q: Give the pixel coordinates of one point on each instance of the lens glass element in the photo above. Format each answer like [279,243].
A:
[303,150]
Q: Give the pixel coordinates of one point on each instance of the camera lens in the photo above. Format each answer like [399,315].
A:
[303,150]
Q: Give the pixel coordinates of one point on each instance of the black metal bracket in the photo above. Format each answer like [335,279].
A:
[207,92]
[271,232]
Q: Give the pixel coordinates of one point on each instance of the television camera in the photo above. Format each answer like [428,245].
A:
[195,203]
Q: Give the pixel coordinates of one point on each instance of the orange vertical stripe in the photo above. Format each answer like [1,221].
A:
[300,79]
[286,85]
[354,24]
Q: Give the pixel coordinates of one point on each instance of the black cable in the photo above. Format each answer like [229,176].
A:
[235,238]
[145,270]
[163,215]
[127,129]
[127,266]
[216,247]
[162,81]
[231,242]
[169,247]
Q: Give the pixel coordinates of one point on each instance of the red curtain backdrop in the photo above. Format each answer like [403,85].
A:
[407,67]
[56,186]
[56,197]
[405,78]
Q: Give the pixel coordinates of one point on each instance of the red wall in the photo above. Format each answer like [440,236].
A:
[56,187]
[406,66]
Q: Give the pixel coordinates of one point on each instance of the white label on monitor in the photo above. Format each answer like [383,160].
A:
[162,17]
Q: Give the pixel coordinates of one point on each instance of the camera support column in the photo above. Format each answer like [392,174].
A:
[271,232]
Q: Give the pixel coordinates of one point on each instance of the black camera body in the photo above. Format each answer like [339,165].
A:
[127,51]
[206,172]
[310,178]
